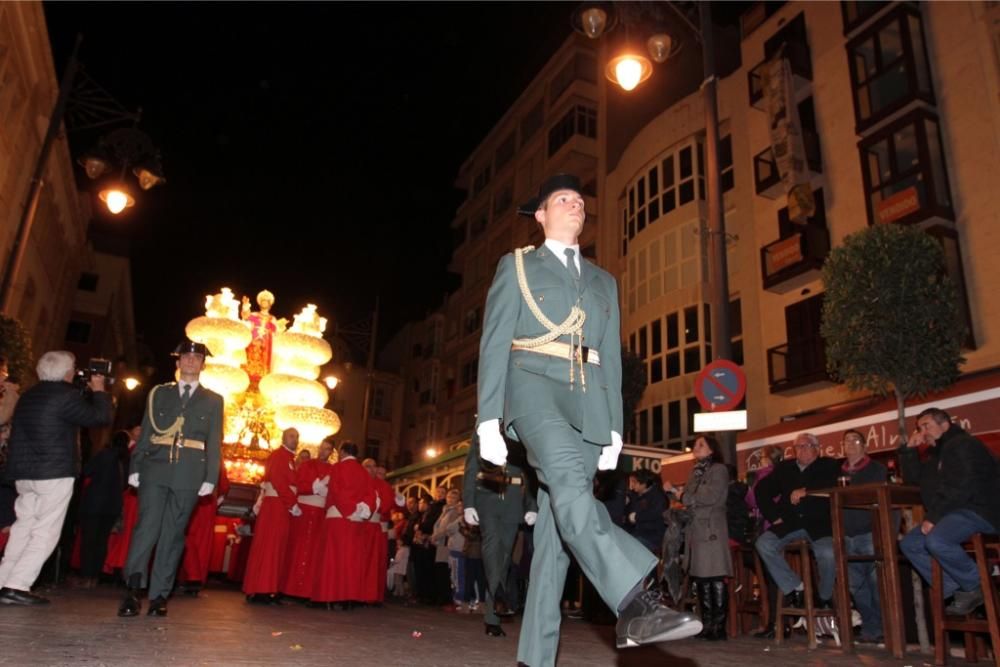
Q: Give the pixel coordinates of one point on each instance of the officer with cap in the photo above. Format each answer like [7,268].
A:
[497,498]
[550,376]
[175,461]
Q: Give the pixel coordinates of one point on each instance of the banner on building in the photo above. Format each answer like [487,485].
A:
[787,145]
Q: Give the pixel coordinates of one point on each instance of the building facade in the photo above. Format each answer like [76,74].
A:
[45,287]
[882,92]
[883,97]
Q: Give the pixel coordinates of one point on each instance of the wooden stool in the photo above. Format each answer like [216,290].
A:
[983,548]
[798,553]
[742,603]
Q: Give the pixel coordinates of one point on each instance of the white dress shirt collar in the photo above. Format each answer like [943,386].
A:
[559,250]
[181,383]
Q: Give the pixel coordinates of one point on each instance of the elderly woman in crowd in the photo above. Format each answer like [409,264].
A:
[707,538]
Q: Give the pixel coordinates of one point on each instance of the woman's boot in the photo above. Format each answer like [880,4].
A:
[703,589]
[719,592]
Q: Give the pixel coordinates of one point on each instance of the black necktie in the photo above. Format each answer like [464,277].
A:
[571,263]
[185,395]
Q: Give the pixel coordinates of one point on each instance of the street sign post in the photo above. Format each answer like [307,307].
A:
[721,385]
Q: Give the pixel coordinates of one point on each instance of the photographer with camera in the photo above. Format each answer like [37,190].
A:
[43,461]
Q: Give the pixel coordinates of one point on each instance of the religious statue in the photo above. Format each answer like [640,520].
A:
[263,327]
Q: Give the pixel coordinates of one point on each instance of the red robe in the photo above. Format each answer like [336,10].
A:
[266,563]
[378,563]
[344,548]
[305,530]
[118,543]
[200,534]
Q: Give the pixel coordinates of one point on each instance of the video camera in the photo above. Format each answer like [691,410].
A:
[95,366]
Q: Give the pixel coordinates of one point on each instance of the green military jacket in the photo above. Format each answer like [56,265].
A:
[176,465]
[510,501]
[514,383]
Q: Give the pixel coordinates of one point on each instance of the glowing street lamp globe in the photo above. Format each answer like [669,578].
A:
[116,199]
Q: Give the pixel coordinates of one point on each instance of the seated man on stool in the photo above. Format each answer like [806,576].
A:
[958,484]
[797,516]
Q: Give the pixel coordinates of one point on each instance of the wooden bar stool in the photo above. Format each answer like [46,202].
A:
[985,550]
[742,603]
[799,557]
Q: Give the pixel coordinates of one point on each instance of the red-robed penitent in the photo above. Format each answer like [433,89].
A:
[266,564]
[344,547]
[200,534]
[378,563]
[119,540]
[305,530]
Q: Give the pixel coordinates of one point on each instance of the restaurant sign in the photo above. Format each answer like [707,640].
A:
[976,412]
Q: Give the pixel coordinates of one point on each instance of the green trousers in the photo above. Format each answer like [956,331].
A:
[163,517]
[569,516]
[498,549]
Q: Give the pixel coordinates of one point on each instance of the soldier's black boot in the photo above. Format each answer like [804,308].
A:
[719,591]
[157,606]
[644,619]
[130,604]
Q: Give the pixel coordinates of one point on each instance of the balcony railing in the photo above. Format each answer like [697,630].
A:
[796,364]
[767,180]
[793,261]
[800,60]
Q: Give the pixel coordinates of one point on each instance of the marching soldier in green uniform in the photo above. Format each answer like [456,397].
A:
[550,373]
[497,499]
[175,461]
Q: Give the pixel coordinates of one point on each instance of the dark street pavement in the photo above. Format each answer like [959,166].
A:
[220,628]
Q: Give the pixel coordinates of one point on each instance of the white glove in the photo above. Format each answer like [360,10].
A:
[471,516]
[133,480]
[609,454]
[400,500]
[631,517]
[295,510]
[530,518]
[491,444]
[361,513]
[320,487]
[206,489]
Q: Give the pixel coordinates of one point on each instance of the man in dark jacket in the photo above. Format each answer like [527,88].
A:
[795,515]
[43,461]
[644,511]
[860,468]
[958,486]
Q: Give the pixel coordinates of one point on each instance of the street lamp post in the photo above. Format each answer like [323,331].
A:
[129,147]
[35,189]
[594,19]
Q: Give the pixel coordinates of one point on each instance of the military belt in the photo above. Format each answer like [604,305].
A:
[168,440]
[499,478]
[562,350]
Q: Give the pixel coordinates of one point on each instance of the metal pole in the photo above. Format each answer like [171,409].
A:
[17,251]
[369,370]
[719,270]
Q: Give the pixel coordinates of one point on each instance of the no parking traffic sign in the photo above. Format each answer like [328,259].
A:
[720,386]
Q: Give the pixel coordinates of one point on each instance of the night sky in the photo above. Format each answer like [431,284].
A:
[309,149]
